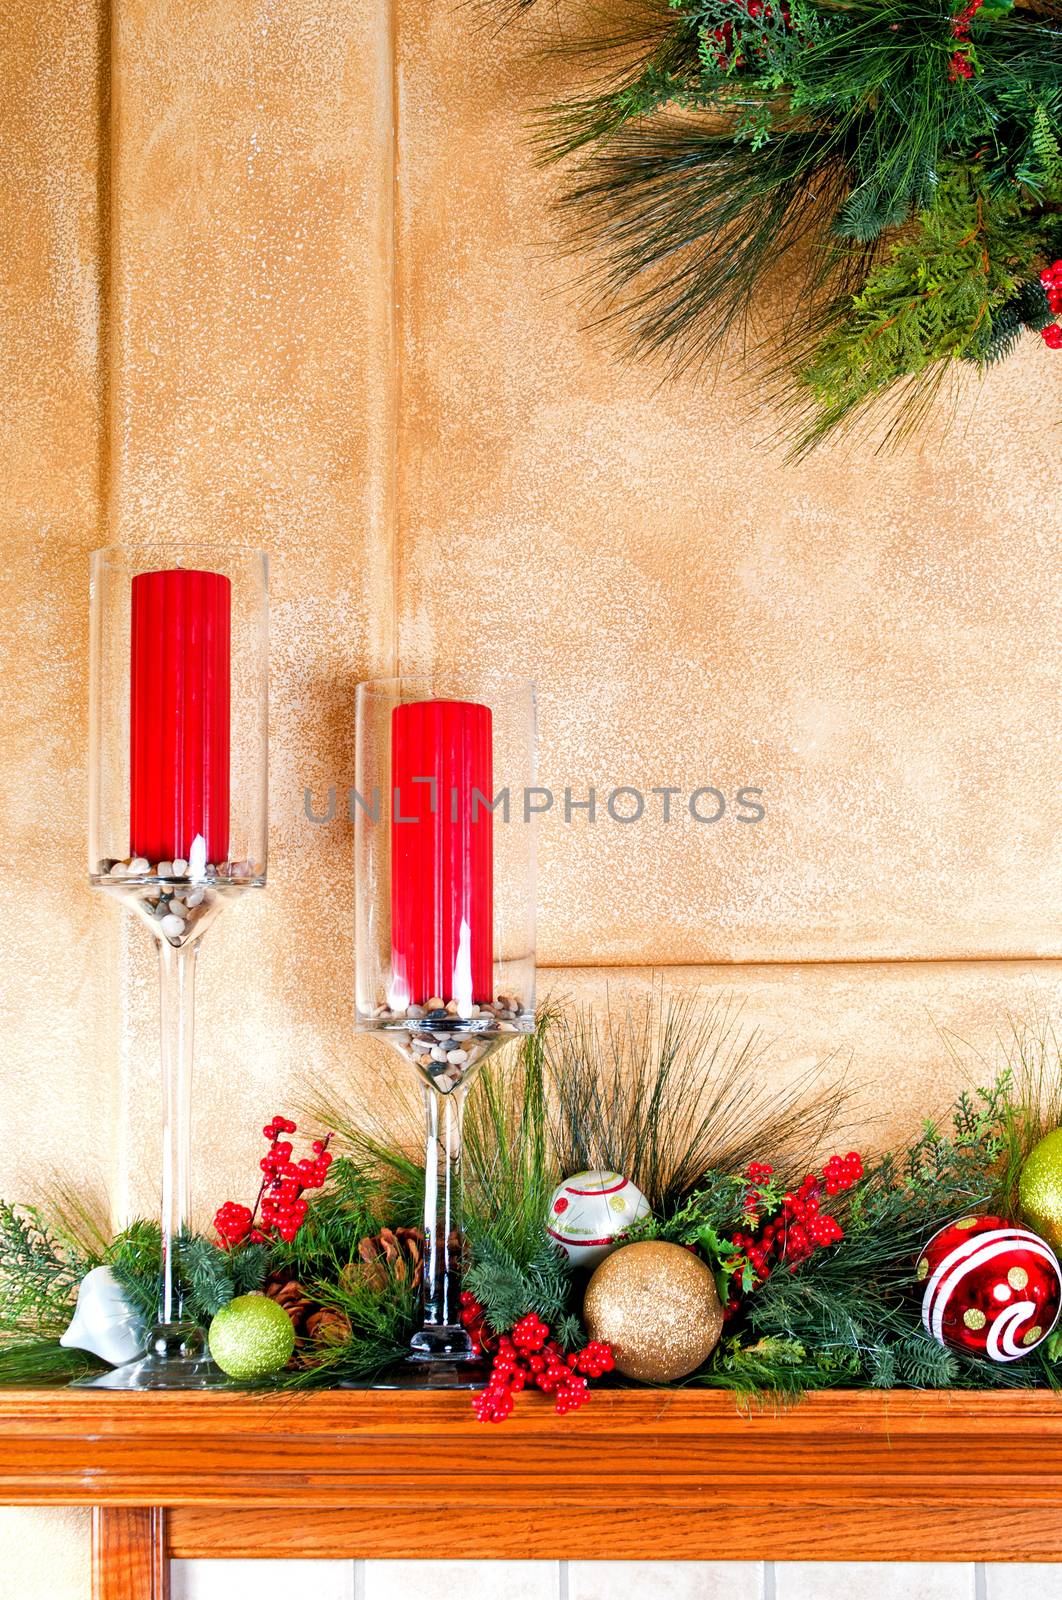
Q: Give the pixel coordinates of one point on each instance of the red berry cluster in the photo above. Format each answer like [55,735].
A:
[960,65]
[842,1172]
[473,1319]
[757,1173]
[279,1198]
[797,1229]
[529,1355]
[1051,278]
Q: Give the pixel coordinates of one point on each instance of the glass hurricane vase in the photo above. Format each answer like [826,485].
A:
[177,823]
[445,942]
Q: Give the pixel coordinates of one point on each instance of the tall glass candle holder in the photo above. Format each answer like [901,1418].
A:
[445,952]
[178,735]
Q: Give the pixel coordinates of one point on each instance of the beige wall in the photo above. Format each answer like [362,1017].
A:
[280,275]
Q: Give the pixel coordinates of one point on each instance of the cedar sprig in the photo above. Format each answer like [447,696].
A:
[772,1368]
[39,1274]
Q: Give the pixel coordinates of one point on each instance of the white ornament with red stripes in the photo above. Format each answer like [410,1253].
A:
[991,1288]
[592,1212]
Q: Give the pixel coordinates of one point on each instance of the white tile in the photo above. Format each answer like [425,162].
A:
[874,1580]
[461,1580]
[261,1580]
[665,1580]
[1020,1580]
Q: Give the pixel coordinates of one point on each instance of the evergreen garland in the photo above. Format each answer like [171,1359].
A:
[847,1315]
[882,177]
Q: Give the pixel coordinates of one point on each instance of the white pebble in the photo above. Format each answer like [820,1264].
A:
[194,898]
[172,926]
[138,867]
[164,869]
[176,908]
[180,868]
[437,1053]
[457,1057]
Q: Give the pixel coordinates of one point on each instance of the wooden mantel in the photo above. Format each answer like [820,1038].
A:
[636,1474]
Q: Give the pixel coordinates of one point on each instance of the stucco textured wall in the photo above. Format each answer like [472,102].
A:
[282,276]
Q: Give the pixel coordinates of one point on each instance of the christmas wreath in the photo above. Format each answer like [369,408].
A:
[884,175]
[640,1208]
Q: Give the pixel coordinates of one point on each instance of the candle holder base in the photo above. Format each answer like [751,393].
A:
[161,1372]
[177,1359]
[436,1373]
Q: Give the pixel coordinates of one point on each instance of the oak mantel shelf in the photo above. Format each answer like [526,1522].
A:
[635,1474]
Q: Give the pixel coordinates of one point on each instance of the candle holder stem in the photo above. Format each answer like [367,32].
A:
[441,1337]
[177,1356]
[177,1028]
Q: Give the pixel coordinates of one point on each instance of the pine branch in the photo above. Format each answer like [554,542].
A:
[135,1258]
[37,1363]
[508,1289]
[670,1090]
[731,144]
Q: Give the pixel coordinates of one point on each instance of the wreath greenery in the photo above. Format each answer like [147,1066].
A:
[673,1093]
[891,168]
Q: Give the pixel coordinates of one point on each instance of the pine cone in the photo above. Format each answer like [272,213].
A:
[289,1293]
[393,1253]
[328,1326]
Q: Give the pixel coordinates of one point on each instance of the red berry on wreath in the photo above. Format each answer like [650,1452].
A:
[529,1354]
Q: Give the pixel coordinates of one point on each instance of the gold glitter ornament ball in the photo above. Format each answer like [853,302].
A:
[657,1306]
[1040,1189]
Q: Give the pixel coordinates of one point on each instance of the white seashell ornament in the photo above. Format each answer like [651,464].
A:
[104,1322]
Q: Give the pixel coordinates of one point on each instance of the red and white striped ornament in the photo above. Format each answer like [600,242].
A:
[591,1212]
[991,1288]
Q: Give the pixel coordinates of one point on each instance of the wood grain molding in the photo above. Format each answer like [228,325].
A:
[669,1474]
[130,1560]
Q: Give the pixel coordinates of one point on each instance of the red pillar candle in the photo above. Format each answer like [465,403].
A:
[179,717]
[442,839]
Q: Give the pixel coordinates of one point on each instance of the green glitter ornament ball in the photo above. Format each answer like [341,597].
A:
[251,1337]
[1040,1189]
